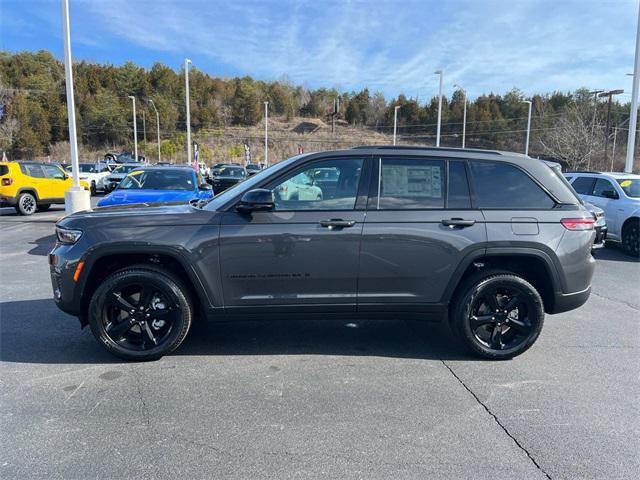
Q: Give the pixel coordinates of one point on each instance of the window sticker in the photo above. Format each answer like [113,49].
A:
[625,183]
[412,180]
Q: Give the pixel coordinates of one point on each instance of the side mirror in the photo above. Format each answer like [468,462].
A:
[205,187]
[610,194]
[258,200]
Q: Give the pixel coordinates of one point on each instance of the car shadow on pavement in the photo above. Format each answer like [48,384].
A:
[35,331]
[614,252]
[43,245]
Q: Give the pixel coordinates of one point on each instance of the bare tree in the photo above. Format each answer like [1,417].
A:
[571,139]
[8,126]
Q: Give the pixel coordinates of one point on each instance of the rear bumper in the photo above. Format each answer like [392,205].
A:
[563,302]
[601,235]
[6,201]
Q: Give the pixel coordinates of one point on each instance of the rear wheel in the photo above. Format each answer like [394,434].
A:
[26,204]
[499,316]
[93,189]
[631,238]
[140,313]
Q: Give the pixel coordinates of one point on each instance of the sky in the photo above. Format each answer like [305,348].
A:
[393,47]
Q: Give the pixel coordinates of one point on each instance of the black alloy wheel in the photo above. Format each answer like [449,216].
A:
[500,316]
[140,313]
[631,239]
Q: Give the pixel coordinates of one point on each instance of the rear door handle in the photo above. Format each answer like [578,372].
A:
[337,223]
[458,222]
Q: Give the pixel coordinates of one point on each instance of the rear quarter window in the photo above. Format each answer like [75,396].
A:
[4,169]
[503,186]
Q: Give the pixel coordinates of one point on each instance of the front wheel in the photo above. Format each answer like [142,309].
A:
[140,313]
[93,189]
[499,316]
[631,238]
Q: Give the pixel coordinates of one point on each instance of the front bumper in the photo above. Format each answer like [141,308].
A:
[62,266]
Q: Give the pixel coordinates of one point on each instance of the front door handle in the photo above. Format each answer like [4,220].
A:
[458,222]
[337,223]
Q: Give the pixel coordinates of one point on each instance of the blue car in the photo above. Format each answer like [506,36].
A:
[159,184]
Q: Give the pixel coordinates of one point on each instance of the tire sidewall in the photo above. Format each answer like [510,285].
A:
[461,321]
[630,235]
[19,206]
[181,324]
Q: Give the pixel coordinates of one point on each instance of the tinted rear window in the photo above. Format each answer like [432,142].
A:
[500,185]
[583,185]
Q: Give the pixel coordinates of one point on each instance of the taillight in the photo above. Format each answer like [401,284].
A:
[578,223]
[7,181]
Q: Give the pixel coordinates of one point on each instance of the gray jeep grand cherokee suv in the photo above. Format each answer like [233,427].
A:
[486,240]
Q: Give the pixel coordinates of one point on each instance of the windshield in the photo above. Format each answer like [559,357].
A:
[124,168]
[158,180]
[222,198]
[231,172]
[631,186]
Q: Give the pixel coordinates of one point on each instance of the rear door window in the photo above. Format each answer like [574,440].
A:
[583,185]
[604,185]
[503,186]
[409,184]
[32,170]
[458,192]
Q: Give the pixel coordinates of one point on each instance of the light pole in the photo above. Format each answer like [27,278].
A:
[464,113]
[526,145]
[441,73]
[633,115]
[157,126]
[76,198]
[266,134]
[395,122]
[135,128]
[186,99]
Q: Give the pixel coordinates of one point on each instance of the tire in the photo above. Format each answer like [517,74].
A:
[93,189]
[631,238]
[26,204]
[127,329]
[497,329]
[43,207]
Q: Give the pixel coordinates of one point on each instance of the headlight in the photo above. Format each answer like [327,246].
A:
[67,236]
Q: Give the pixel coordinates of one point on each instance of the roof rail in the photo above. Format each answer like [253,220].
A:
[435,149]
[582,171]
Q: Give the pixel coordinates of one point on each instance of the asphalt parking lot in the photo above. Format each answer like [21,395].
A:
[314,399]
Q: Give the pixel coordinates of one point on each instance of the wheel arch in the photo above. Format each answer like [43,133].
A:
[533,265]
[33,191]
[101,262]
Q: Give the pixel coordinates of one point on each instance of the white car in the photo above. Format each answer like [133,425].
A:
[300,187]
[618,194]
[93,175]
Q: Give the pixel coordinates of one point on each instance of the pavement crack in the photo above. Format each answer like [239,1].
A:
[497,420]
[143,404]
[616,300]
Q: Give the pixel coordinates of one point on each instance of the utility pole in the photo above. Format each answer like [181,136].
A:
[633,115]
[76,198]
[135,128]
[593,122]
[157,126]
[613,154]
[464,113]
[186,99]
[266,134]
[526,145]
[395,122]
[609,94]
[441,73]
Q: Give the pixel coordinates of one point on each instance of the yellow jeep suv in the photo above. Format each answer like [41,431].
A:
[31,186]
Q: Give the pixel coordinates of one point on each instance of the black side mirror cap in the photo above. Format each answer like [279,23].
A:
[257,200]
[205,187]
